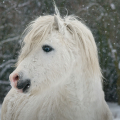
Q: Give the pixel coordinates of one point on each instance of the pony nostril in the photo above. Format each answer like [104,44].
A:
[16,78]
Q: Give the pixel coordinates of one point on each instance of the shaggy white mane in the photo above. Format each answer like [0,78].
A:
[82,41]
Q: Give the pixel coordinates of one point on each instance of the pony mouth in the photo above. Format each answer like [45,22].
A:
[26,88]
[23,85]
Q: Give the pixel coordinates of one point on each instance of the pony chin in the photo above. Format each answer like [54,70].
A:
[20,90]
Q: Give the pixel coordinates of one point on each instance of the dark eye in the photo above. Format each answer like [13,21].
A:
[47,48]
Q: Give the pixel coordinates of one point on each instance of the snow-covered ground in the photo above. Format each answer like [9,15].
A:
[0,111]
[113,107]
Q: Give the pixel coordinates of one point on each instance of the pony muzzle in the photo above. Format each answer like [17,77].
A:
[17,81]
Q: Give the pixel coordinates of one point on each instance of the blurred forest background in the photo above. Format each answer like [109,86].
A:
[101,16]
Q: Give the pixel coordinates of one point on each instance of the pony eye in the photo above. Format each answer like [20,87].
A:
[47,48]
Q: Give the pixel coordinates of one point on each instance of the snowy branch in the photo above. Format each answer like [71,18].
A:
[88,7]
[8,62]
[24,4]
[5,56]
[4,82]
[5,69]
[9,40]
[112,50]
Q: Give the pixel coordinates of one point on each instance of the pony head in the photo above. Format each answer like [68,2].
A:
[55,51]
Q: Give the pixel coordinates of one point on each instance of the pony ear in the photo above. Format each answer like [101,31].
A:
[56,22]
[59,24]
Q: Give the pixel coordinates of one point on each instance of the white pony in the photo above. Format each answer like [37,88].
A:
[58,75]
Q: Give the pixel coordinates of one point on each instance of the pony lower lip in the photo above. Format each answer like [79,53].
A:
[25,89]
[20,90]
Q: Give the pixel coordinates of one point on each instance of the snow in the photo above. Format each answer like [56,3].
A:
[119,65]
[112,6]
[114,107]
[0,111]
